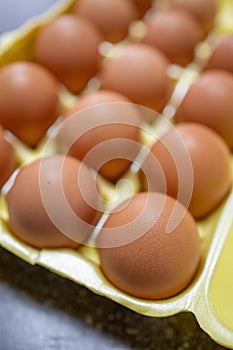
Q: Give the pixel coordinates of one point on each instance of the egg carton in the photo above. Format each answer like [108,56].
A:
[209,295]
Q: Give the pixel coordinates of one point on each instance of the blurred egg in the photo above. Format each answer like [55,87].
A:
[204,11]
[7,159]
[110,16]
[155,264]
[209,101]
[68,46]
[139,72]
[142,6]
[102,129]
[222,56]
[53,202]
[28,100]
[175,33]
[196,167]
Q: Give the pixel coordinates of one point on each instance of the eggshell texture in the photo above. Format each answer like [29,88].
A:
[7,159]
[158,264]
[110,16]
[107,120]
[204,11]
[222,56]
[142,6]
[210,161]
[209,101]
[139,72]
[68,46]
[37,211]
[165,31]
[28,100]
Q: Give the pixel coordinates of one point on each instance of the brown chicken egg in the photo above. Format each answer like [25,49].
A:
[195,163]
[103,130]
[7,159]
[165,31]
[110,16]
[53,203]
[204,11]
[148,261]
[138,71]
[222,56]
[68,46]
[142,6]
[28,100]
[209,101]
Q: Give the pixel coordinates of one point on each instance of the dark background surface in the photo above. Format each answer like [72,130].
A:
[39,310]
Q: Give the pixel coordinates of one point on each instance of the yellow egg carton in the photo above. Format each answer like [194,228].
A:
[210,295]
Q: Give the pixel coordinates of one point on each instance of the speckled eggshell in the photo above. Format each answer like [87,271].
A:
[196,147]
[222,56]
[7,159]
[157,265]
[139,72]
[165,31]
[68,46]
[209,101]
[204,11]
[110,16]
[28,100]
[108,120]
[35,197]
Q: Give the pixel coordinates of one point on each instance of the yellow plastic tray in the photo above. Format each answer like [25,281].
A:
[210,295]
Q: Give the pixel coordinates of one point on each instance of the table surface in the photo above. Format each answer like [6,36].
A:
[13,13]
[40,310]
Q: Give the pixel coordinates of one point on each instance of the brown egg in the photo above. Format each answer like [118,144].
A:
[195,163]
[165,31]
[139,72]
[142,6]
[68,46]
[204,11]
[155,264]
[222,57]
[110,16]
[53,203]
[28,100]
[7,159]
[209,101]
[102,129]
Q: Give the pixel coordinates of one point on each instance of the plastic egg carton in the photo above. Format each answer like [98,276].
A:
[209,296]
